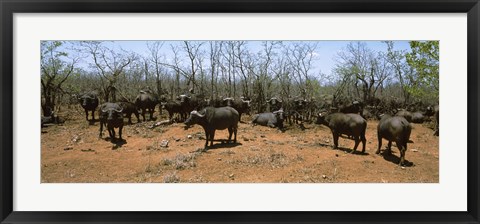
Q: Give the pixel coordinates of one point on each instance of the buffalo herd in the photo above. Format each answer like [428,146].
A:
[342,118]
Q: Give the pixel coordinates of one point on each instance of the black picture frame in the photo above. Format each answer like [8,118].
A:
[9,7]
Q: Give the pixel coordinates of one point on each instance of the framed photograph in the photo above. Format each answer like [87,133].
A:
[245,112]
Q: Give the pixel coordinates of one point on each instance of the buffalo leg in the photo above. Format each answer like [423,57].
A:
[357,141]
[137,115]
[335,140]
[152,110]
[143,114]
[230,132]
[207,138]
[235,134]
[93,115]
[402,154]
[129,115]
[364,142]
[120,132]
[389,148]
[86,114]
[212,136]
[111,132]
[379,144]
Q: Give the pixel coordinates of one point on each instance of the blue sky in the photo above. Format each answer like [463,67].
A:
[326,50]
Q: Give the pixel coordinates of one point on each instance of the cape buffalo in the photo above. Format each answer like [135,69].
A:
[349,124]
[274,104]
[146,101]
[212,119]
[242,105]
[111,115]
[269,119]
[129,109]
[404,113]
[394,129]
[89,102]
[52,119]
[173,107]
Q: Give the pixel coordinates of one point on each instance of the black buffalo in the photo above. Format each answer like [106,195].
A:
[242,105]
[89,102]
[355,107]
[173,107]
[295,110]
[129,109]
[269,119]
[395,129]
[275,104]
[111,115]
[418,117]
[406,114]
[187,104]
[52,119]
[146,101]
[211,119]
[349,124]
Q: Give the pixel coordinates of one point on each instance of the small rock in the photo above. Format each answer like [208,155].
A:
[88,150]
[324,176]
[68,148]
[403,167]
[164,144]
[246,139]
[414,150]
[114,146]
[231,175]
[176,139]
[219,159]
[76,138]
[189,136]
[262,136]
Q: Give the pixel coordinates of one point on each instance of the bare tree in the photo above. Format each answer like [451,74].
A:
[193,52]
[155,57]
[301,56]
[109,65]
[241,55]
[359,65]
[54,72]
[215,47]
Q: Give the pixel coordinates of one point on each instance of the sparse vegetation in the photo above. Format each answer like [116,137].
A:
[181,161]
[171,178]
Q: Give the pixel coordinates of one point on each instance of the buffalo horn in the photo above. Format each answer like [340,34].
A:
[196,113]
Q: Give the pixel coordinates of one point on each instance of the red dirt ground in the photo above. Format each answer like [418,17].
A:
[73,153]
